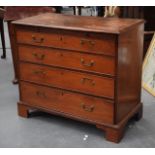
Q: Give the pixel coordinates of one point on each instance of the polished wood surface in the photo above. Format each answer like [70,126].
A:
[61,78]
[142,12]
[14,51]
[65,69]
[129,71]
[86,107]
[19,12]
[86,42]
[80,23]
[93,63]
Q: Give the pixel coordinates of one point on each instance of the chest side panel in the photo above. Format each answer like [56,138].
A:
[129,65]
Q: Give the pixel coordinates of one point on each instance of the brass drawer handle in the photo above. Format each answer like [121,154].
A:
[87,108]
[90,64]
[90,42]
[39,57]
[39,72]
[91,81]
[39,40]
[41,94]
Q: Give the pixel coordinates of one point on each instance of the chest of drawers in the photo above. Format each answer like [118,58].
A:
[84,68]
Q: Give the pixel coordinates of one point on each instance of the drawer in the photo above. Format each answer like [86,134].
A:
[71,80]
[34,37]
[68,59]
[89,42]
[78,41]
[77,105]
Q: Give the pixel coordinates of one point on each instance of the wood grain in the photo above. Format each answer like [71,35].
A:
[78,41]
[86,107]
[80,23]
[76,81]
[99,64]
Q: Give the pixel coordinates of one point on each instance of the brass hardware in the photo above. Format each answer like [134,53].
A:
[92,43]
[91,81]
[39,40]
[87,108]
[39,72]
[39,57]
[41,94]
[90,64]
[83,41]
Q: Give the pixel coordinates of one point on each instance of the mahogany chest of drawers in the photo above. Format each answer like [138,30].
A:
[84,68]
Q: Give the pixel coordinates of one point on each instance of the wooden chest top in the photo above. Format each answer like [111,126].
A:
[80,23]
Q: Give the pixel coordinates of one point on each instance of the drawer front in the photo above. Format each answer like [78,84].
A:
[90,42]
[69,59]
[79,41]
[83,106]
[76,81]
[32,37]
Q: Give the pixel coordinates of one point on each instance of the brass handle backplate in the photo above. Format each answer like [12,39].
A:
[41,94]
[89,64]
[39,72]
[91,81]
[87,108]
[39,56]
[90,42]
[37,40]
